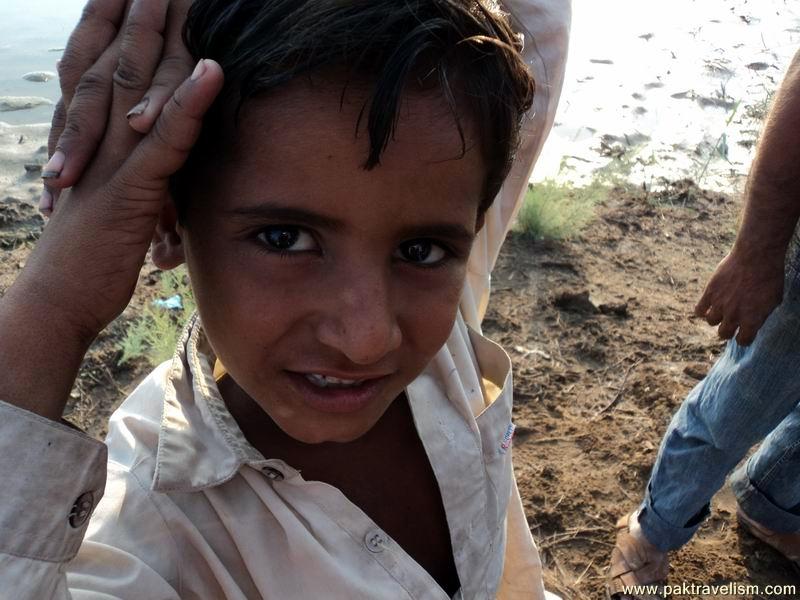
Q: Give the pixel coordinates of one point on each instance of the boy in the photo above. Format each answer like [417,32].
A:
[326,431]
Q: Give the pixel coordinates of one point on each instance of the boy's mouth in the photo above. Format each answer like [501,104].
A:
[325,381]
[328,393]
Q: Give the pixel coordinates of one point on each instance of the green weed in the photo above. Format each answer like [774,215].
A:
[154,335]
[552,210]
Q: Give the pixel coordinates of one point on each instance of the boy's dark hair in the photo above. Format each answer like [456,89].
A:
[463,49]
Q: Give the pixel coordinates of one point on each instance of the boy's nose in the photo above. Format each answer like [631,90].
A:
[361,322]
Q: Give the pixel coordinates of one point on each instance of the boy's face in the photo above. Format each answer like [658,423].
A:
[306,267]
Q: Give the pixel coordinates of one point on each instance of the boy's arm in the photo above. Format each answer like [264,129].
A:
[544,25]
[53,478]
[85,266]
[748,284]
[80,276]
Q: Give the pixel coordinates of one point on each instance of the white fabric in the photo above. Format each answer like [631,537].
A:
[191,510]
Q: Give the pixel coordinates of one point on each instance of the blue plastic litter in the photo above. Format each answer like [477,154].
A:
[173,303]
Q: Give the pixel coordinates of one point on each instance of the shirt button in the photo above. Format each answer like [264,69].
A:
[273,474]
[81,510]
[375,541]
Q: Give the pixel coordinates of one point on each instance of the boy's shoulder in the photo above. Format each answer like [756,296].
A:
[134,427]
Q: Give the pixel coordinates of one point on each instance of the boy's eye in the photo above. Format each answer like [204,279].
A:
[285,238]
[421,252]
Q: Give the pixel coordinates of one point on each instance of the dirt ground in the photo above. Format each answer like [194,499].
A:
[604,352]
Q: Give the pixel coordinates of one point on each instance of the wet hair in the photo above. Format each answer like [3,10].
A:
[465,50]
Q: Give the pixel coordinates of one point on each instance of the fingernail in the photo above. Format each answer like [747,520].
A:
[46,203]
[199,70]
[138,109]
[54,166]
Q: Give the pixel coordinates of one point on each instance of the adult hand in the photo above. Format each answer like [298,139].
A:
[742,293]
[104,52]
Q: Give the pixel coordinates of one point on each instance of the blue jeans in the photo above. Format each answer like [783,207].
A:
[751,394]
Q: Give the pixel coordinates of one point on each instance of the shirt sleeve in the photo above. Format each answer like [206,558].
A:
[544,25]
[54,478]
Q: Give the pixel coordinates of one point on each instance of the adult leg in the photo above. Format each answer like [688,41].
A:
[747,394]
[768,485]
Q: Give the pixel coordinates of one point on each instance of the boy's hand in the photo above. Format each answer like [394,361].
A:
[83,270]
[104,51]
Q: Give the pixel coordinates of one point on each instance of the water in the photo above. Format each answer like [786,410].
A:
[32,35]
[673,89]
[680,86]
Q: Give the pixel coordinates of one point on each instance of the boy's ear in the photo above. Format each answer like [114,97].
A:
[166,249]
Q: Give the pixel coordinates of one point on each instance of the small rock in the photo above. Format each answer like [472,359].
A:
[619,309]
[757,66]
[696,371]
[9,103]
[33,168]
[578,302]
[39,76]
[21,139]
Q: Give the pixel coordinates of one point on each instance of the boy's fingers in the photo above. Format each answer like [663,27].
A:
[117,79]
[56,127]
[95,31]
[142,41]
[176,65]
[84,125]
[168,144]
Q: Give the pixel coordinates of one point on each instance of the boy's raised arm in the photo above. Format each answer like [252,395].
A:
[79,277]
[83,270]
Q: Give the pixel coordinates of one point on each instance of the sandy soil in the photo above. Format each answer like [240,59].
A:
[604,350]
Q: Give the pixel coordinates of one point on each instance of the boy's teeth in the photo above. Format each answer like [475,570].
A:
[323,381]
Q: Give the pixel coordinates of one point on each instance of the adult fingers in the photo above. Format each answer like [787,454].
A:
[702,306]
[94,32]
[176,65]
[728,328]
[747,333]
[164,150]
[715,315]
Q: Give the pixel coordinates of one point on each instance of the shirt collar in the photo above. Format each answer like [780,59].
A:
[200,444]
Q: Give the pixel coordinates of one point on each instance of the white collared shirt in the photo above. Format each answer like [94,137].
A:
[191,510]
